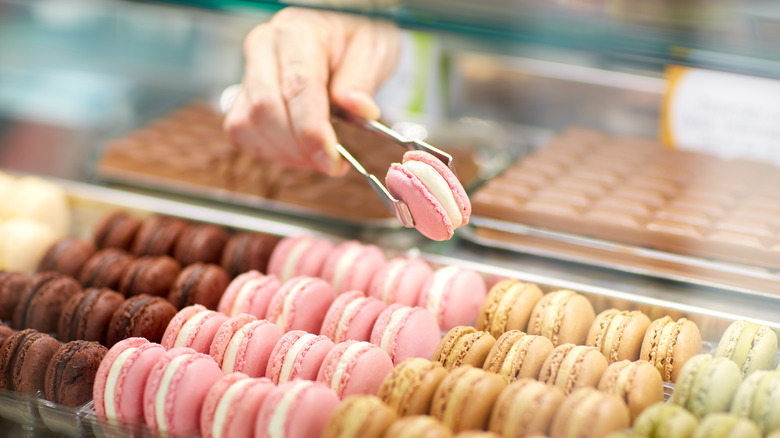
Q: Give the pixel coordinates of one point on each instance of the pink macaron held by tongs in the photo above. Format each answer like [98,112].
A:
[422,191]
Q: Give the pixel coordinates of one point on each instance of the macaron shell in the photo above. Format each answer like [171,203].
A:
[563,317]
[70,375]
[361,264]
[572,366]
[154,381]
[752,346]
[430,217]
[725,425]
[184,399]
[420,426]
[212,399]
[305,356]
[99,304]
[130,381]
[294,400]
[413,332]
[517,355]
[454,401]
[462,293]
[225,333]
[140,316]
[461,198]
[255,301]
[242,414]
[670,344]
[508,306]
[176,323]
[254,353]
[307,309]
[351,316]
[355,367]
[463,345]
[707,384]
[618,334]
[524,408]
[665,420]
[590,413]
[359,416]
[638,383]
[299,256]
[410,386]
[401,281]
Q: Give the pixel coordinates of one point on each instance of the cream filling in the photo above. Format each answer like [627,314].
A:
[281,320]
[439,188]
[349,355]
[395,319]
[438,285]
[508,365]
[392,274]
[190,327]
[612,332]
[162,391]
[349,310]
[293,257]
[231,352]
[225,403]
[345,262]
[292,355]
[111,381]
[243,295]
[276,427]
[553,312]
[501,315]
[742,349]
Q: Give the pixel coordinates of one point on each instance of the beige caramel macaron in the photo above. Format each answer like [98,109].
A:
[589,413]
[618,334]
[517,355]
[525,407]
[508,306]
[463,345]
[637,383]
[571,366]
[465,398]
[410,386]
[360,416]
[668,344]
[418,426]
[563,316]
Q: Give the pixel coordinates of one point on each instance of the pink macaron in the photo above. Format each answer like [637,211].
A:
[351,316]
[176,389]
[250,348]
[299,255]
[121,377]
[298,355]
[296,409]
[301,304]
[405,331]
[355,367]
[225,334]
[454,295]
[232,405]
[193,326]
[436,199]
[351,266]
[400,280]
[249,293]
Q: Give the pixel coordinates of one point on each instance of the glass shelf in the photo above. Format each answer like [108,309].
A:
[740,36]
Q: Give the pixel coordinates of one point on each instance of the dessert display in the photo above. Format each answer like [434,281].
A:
[634,193]
[188,151]
[437,201]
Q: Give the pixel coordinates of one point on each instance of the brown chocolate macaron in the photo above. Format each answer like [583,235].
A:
[117,230]
[151,275]
[200,283]
[5,332]
[105,268]
[87,314]
[67,256]
[158,235]
[41,303]
[201,243]
[12,285]
[142,316]
[24,357]
[248,250]
[71,372]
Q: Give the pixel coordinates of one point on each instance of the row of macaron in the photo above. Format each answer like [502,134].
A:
[454,294]
[565,316]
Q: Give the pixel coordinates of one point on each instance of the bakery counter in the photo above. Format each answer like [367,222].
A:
[711,309]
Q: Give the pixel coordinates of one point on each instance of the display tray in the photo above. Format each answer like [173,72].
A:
[39,417]
[633,259]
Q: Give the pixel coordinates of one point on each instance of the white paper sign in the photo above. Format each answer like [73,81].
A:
[724,114]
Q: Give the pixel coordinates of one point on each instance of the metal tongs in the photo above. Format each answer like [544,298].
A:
[396,206]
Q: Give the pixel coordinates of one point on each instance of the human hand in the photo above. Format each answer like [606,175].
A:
[296,65]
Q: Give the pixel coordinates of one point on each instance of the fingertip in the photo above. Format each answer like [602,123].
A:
[360,103]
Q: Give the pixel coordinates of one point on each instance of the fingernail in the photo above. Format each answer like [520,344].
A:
[367,107]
